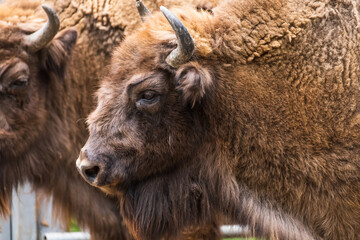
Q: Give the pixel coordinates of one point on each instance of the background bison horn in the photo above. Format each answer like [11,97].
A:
[185,47]
[143,11]
[44,35]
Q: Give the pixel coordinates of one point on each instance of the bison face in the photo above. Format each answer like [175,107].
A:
[144,125]
[147,121]
[26,77]
[16,108]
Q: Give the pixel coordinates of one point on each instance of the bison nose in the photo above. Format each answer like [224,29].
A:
[90,172]
[88,169]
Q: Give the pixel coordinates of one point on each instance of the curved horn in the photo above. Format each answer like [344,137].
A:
[185,47]
[143,11]
[44,35]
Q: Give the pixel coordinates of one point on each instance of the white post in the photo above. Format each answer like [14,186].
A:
[5,229]
[23,214]
[67,236]
[46,222]
[234,231]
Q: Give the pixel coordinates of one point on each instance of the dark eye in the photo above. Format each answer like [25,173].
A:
[148,96]
[21,82]
[147,99]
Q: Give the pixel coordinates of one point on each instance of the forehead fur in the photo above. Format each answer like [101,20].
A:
[157,30]
[11,39]
[197,23]
[26,15]
[16,19]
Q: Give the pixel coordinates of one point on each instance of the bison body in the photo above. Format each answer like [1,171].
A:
[260,123]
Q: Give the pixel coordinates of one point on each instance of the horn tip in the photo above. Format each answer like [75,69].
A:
[143,11]
[48,9]
[165,11]
[162,8]
[51,12]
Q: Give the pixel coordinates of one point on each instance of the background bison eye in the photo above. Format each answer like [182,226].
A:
[19,83]
[18,86]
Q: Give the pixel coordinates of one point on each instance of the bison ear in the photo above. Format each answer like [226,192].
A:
[54,56]
[193,81]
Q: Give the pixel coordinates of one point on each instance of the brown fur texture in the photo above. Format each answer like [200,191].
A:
[262,124]
[103,24]
[45,120]
[41,129]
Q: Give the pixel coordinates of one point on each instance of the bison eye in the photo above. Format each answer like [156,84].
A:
[148,96]
[147,99]
[21,82]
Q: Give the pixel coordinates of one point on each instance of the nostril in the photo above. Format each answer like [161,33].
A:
[91,172]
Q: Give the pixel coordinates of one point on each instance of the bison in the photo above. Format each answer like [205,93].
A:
[251,113]
[41,102]
[46,90]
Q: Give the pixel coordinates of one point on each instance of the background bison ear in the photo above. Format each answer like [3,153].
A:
[193,81]
[54,56]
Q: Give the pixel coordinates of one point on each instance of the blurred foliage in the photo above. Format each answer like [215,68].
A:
[239,239]
[73,226]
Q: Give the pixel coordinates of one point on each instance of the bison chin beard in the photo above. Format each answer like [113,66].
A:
[162,207]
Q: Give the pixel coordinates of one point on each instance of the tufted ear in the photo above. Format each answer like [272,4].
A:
[193,81]
[54,56]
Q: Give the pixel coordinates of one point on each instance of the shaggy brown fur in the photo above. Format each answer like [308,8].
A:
[103,24]
[39,130]
[42,123]
[262,125]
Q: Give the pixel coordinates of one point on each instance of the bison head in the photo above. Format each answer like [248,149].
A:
[150,139]
[29,62]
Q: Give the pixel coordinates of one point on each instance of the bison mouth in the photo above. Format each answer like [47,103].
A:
[114,179]
[113,189]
